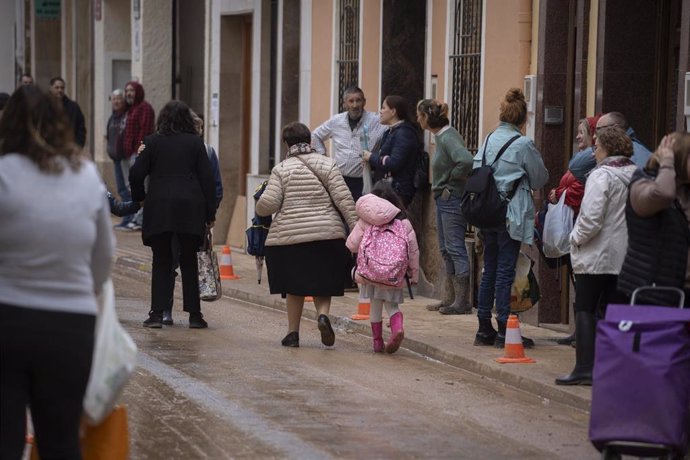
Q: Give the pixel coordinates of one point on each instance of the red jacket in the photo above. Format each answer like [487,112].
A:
[575,191]
[140,121]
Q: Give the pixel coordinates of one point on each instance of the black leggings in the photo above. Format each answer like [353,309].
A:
[45,360]
[594,292]
[162,283]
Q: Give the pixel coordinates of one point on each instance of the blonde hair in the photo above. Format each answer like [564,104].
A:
[34,124]
[436,112]
[513,107]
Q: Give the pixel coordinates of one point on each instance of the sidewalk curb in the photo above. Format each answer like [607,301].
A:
[541,390]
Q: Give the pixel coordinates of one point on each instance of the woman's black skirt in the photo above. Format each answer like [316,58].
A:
[316,268]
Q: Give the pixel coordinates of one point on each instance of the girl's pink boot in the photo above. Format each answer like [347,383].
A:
[377,334]
[397,333]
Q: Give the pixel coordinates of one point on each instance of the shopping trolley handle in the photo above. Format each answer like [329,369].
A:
[653,287]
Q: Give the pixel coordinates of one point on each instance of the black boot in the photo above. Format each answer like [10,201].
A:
[584,352]
[486,335]
[566,340]
[569,340]
[197,321]
[500,341]
[155,320]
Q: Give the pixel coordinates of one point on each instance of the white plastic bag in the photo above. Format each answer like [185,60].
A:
[366,177]
[114,360]
[558,223]
[366,168]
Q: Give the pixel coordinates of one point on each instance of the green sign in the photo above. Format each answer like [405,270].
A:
[47,9]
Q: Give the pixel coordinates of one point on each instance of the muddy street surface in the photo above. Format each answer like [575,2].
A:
[232,391]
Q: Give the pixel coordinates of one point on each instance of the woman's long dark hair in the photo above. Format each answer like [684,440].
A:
[399,104]
[383,189]
[175,118]
[34,124]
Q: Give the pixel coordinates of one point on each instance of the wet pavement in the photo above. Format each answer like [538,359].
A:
[233,392]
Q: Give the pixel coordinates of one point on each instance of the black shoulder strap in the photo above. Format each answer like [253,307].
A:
[504,148]
[484,151]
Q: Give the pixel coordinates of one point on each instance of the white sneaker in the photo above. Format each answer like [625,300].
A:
[133,226]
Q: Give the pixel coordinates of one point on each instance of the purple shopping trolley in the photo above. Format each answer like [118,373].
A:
[641,381]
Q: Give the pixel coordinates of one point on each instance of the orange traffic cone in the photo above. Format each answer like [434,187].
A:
[362,307]
[514,352]
[226,270]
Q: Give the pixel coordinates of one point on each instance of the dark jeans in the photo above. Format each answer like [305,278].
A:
[500,258]
[594,292]
[163,283]
[120,180]
[45,360]
[355,184]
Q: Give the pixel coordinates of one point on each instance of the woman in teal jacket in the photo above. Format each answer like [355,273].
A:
[521,169]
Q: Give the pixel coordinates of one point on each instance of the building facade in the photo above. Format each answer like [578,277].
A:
[251,66]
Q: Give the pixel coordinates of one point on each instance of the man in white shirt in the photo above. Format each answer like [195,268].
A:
[350,131]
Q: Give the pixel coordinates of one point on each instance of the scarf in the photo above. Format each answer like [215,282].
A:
[300,148]
[616,161]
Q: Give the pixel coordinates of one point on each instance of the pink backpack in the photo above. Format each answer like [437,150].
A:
[382,257]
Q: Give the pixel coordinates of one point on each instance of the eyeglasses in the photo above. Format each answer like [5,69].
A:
[599,128]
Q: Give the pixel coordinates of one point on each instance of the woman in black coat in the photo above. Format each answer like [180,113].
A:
[180,200]
[395,160]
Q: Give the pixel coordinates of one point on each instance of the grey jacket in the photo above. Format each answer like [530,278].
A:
[56,241]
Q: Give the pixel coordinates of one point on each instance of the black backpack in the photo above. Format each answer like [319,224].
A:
[482,204]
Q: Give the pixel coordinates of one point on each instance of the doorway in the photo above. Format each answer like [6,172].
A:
[188,70]
[403,33]
[638,62]
[234,114]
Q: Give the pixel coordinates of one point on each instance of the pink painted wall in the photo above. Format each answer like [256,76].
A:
[506,53]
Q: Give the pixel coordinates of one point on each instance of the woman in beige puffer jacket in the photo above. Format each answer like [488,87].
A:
[305,248]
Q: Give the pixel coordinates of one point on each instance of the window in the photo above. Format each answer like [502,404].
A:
[465,65]
[348,48]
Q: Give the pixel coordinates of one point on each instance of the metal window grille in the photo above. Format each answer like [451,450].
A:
[465,63]
[348,48]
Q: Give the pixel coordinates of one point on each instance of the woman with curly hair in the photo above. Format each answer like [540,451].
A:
[180,201]
[598,244]
[56,247]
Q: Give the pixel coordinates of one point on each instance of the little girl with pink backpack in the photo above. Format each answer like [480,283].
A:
[387,256]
